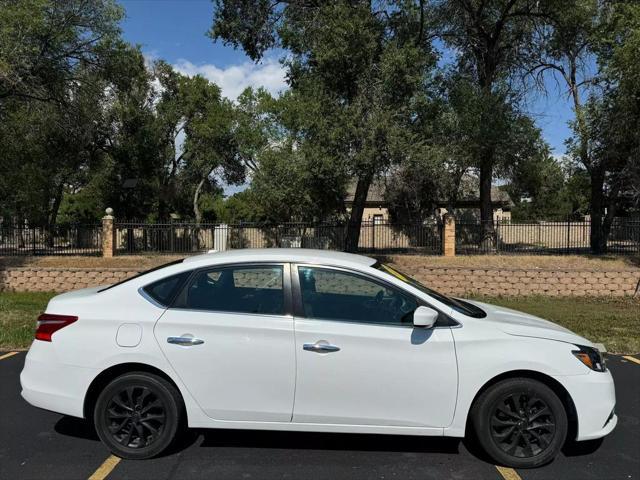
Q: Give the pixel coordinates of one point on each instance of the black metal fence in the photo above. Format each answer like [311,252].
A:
[187,237]
[63,239]
[504,237]
[544,238]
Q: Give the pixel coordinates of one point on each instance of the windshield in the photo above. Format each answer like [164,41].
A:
[458,305]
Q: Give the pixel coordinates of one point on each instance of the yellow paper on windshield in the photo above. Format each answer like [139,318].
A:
[395,273]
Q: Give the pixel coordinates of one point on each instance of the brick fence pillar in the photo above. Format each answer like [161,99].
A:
[448,235]
[108,234]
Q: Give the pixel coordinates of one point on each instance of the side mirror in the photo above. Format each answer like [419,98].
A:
[424,317]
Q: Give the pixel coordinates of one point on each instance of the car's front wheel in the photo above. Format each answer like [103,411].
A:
[137,415]
[520,423]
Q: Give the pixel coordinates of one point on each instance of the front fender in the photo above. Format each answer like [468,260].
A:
[481,360]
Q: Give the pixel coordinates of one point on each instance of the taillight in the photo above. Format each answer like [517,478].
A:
[48,324]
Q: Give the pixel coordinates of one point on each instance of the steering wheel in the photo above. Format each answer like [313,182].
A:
[397,308]
[376,301]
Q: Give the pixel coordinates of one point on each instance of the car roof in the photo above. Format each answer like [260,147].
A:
[299,255]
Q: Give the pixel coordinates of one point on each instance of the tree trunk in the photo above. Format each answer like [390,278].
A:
[486,206]
[197,213]
[163,207]
[606,224]
[601,222]
[53,215]
[597,240]
[196,198]
[357,209]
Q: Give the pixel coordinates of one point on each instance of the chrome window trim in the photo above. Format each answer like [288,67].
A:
[230,312]
[150,299]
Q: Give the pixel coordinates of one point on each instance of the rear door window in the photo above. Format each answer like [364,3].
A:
[241,289]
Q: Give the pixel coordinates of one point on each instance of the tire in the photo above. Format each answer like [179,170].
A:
[520,423]
[137,415]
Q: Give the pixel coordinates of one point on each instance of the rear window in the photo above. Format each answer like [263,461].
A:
[154,269]
[164,290]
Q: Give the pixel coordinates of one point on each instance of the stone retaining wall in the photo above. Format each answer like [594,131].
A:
[39,279]
[517,282]
[456,281]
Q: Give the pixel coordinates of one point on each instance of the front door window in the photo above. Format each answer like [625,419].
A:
[343,296]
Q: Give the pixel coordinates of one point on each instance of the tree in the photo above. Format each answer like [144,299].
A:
[44,44]
[238,208]
[62,149]
[168,135]
[619,57]
[447,144]
[577,36]
[355,65]
[128,178]
[210,145]
[257,126]
[55,59]
[438,156]
[292,177]
[537,187]
[490,37]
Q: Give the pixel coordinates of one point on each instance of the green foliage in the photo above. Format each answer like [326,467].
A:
[615,121]
[238,208]
[55,63]
[44,43]
[291,177]
[86,123]
[605,143]
[491,39]
[354,68]
[18,311]
[293,185]
[538,188]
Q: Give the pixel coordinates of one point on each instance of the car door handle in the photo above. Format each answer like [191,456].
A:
[186,341]
[320,347]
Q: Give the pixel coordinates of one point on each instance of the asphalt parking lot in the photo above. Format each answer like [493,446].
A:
[35,444]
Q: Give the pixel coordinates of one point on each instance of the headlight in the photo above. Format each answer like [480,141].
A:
[591,357]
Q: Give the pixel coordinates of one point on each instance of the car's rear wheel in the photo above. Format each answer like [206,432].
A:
[137,415]
[520,423]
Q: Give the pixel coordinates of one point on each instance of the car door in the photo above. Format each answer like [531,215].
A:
[359,359]
[229,336]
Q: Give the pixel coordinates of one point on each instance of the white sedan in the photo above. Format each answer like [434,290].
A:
[309,340]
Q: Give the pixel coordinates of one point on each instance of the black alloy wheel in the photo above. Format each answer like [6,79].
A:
[522,425]
[137,415]
[520,422]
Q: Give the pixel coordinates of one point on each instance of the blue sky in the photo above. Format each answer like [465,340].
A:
[175,30]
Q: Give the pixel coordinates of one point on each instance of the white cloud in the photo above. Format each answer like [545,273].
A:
[559,157]
[233,79]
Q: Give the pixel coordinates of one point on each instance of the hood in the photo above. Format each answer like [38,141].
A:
[522,324]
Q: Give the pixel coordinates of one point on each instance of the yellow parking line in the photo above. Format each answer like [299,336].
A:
[508,473]
[7,355]
[106,468]
[626,357]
